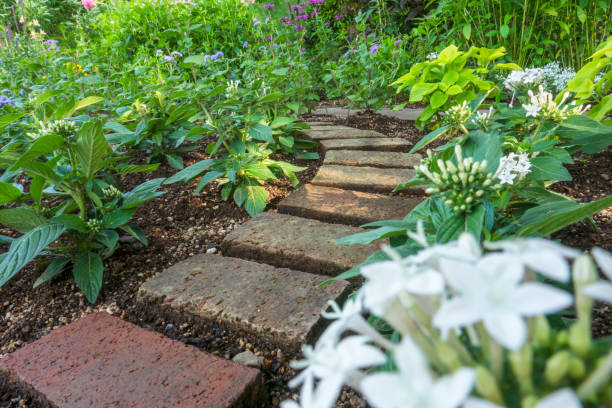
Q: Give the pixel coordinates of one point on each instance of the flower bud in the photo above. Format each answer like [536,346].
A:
[486,385]
[557,367]
[463,177]
[429,190]
[541,332]
[455,178]
[448,202]
[583,274]
[562,339]
[529,401]
[486,183]
[577,369]
[479,193]
[521,362]
[448,356]
[580,339]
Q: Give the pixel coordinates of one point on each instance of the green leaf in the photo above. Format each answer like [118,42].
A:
[36,188]
[142,193]
[191,172]
[137,168]
[22,219]
[280,122]
[420,90]
[9,118]
[438,99]
[90,100]
[8,193]
[194,59]
[55,268]
[430,137]
[207,178]
[368,237]
[549,169]
[26,248]
[40,169]
[459,223]
[261,132]
[467,31]
[136,232]
[560,220]
[88,271]
[91,147]
[504,31]
[256,201]
[39,147]
[259,171]
[117,218]
[108,238]
[71,221]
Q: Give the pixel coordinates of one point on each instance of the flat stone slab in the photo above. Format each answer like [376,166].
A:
[297,243]
[278,303]
[403,114]
[102,361]
[361,178]
[372,158]
[339,132]
[345,206]
[384,144]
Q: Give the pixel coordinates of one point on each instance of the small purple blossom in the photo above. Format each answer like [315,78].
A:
[7,91]
[245,44]
[397,42]
[158,52]
[176,53]
[269,6]
[338,16]
[5,100]
[267,20]
[168,58]
[22,92]
[374,48]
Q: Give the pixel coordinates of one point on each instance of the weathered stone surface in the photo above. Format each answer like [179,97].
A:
[384,144]
[403,114]
[281,304]
[102,361]
[345,206]
[372,158]
[249,359]
[361,178]
[339,132]
[298,243]
[336,111]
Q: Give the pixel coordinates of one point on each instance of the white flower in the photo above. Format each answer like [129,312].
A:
[601,290]
[465,248]
[413,387]
[512,165]
[390,279]
[308,397]
[479,403]
[334,364]
[490,291]
[532,110]
[564,398]
[506,177]
[545,257]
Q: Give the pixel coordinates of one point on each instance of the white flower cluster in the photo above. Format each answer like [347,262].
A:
[461,186]
[232,87]
[483,119]
[62,127]
[553,77]
[432,56]
[511,166]
[543,105]
[458,115]
[431,298]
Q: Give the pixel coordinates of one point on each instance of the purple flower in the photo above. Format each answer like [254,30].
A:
[21,92]
[267,20]
[397,42]
[168,58]
[244,44]
[6,91]
[374,48]
[262,48]
[338,16]
[5,100]
[177,54]
[159,52]
[269,6]
[233,75]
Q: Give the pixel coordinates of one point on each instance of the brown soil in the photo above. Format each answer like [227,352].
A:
[179,224]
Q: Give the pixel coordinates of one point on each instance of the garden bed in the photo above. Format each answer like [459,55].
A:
[179,225]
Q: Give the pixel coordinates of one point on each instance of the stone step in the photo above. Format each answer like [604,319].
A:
[339,132]
[298,243]
[372,158]
[102,361]
[361,178]
[280,304]
[345,206]
[390,144]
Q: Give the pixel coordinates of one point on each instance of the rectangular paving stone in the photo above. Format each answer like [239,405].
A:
[280,304]
[298,243]
[339,132]
[102,361]
[361,178]
[372,158]
[345,206]
[385,144]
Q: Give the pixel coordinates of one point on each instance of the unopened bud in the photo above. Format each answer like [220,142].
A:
[521,362]
[479,193]
[455,178]
[486,385]
[486,183]
[557,367]
[541,332]
[529,401]
[448,356]
[429,190]
[469,200]
[584,273]
[562,339]
[580,338]
[577,369]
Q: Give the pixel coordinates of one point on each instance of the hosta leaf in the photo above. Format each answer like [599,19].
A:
[26,248]
[88,271]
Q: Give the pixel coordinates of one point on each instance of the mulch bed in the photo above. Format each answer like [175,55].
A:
[179,225]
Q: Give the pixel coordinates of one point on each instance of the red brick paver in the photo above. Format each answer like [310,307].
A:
[101,361]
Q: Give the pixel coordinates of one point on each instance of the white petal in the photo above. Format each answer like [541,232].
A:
[460,275]
[533,298]
[507,328]
[383,390]
[601,291]
[328,390]
[503,267]
[604,260]
[426,283]
[412,365]
[480,403]
[451,390]
[560,399]
[457,312]
[549,263]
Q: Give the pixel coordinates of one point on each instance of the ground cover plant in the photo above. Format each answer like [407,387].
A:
[209,97]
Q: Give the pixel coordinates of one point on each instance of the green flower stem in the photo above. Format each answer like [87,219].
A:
[597,379]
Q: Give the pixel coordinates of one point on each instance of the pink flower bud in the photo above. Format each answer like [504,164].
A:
[88,4]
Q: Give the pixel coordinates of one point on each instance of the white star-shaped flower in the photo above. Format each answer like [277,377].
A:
[491,291]
[532,110]
[601,290]
[565,398]
[413,387]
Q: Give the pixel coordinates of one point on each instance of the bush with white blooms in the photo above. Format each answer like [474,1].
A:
[473,326]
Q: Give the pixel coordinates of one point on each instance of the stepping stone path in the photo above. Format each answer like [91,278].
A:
[263,283]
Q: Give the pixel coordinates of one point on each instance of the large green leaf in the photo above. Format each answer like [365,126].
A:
[91,147]
[430,137]
[549,169]
[88,271]
[90,100]
[40,146]
[459,223]
[191,172]
[8,193]
[9,118]
[562,219]
[117,218]
[261,132]
[22,218]
[256,200]
[142,193]
[71,221]
[368,237]
[26,248]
